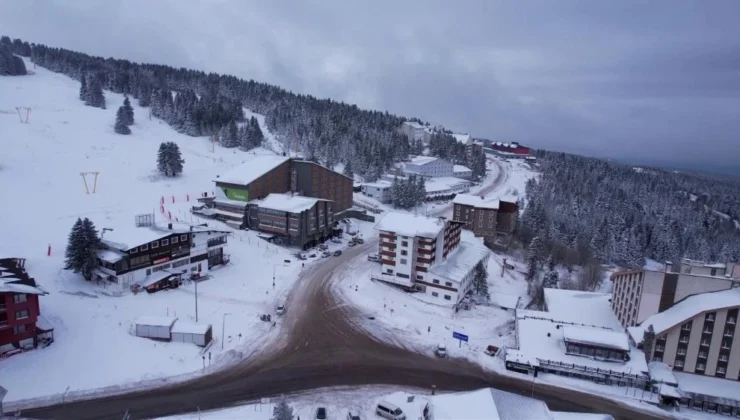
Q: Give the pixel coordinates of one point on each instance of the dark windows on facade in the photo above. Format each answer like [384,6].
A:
[19,329]
[155,245]
[20,298]
[22,314]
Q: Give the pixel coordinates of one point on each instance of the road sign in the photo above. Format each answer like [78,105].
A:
[459,336]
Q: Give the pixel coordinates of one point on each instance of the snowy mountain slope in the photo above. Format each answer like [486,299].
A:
[44,193]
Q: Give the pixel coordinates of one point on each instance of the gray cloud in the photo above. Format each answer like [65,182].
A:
[601,78]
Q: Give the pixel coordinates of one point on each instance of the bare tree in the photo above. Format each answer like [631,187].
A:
[590,276]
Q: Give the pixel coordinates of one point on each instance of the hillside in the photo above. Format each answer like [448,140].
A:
[40,168]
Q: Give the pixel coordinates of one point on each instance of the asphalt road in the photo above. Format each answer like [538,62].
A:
[322,344]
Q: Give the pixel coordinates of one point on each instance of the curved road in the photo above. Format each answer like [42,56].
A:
[322,344]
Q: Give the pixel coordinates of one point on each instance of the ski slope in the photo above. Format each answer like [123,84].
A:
[44,193]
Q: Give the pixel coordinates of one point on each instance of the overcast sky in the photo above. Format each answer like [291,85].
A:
[656,80]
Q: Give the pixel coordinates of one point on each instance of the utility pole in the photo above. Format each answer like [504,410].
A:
[196,300]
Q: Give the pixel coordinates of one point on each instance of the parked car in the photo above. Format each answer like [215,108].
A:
[389,411]
[323,247]
[326,254]
[352,243]
[280,310]
[321,413]
[373,258]
[302,257]
[359,240]
[441,351]
[337,253]
[337,240]
[353,416]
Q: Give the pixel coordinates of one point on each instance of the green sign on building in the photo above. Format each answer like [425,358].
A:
[237,194]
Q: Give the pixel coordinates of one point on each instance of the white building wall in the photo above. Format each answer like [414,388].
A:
[691,285]
[405,263]
[652,286]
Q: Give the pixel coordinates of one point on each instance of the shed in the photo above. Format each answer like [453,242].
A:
[157,327]
[186,332]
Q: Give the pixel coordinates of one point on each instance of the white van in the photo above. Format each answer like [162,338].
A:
[389,411]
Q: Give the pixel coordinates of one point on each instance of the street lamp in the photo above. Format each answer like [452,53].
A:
[102,232]
[223,330]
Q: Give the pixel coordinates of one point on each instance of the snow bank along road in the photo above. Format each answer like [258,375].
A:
[323,345]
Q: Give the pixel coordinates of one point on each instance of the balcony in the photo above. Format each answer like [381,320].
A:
[686,328]
[705,343]
[724,358]
[681,352]
[683,340]
[659,348]
[731,321]
[702,355]
[729,333]
[707,331]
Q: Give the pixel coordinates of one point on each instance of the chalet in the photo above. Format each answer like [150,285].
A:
[152,257]
[19,309]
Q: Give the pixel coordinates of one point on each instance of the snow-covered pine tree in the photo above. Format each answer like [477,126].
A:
[83,88]
[551,277]
[648,341]
[91,246]
[95,97]
[282,411]
[534,256]
[129,110]
[75,243]
[120,126]
[174,159]
[480,281]
[257,136]
[348,169]
[229,135]
[421,191]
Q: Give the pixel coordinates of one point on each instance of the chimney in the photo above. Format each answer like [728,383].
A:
[169,226]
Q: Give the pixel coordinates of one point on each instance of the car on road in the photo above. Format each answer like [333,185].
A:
[373,258]
[441,351]
[280,309]
[337,252]
[321,413]
[302,257]
[337,240]
[326,254]
[352,243]
[359,240]
[353,416]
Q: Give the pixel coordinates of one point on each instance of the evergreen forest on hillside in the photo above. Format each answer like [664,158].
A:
[584,208]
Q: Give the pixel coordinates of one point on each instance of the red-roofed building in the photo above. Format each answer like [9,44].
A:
[511,150]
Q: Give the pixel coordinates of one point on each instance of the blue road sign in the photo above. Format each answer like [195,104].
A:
[458,336]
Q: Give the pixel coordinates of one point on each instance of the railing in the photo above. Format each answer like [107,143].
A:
[584,368]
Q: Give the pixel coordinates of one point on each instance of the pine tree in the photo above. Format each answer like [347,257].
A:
[256,132]
[229,135]
[95,97]
[480,281]
[348,169]
[648,342]
[282,411]
[82,246]
[550,280]
[534,256]
[129,111]
[120,126]
[169,159]
[83,89]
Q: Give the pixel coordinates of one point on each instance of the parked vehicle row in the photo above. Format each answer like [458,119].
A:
[383,409]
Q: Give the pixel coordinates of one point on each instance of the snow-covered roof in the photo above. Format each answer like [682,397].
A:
[288,203]
[413,124]
[461,260]
[156,321]
[461,168]
[110,256]
[252,169]
[476,201]
[406,224]
[423,160]
[226,213]
[462,138]
[125,237]
[708,385]
[512,406]
[189,328]
[596,337]
[570,305]
[10,287]
[542,338]
[504,300]
[688,308]
[661,372]
[464,405]
[381,183]
[155,277]
[443,183]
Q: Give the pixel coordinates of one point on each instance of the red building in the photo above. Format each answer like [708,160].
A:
[19,309]
[513,148]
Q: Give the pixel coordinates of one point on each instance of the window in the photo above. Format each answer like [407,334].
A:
[713,272]
[700,366]
[148,271]
[144,247]
[181,263]
[678,364]
[721,370]
[165,242]
[20,297]
[23,314]
[448,297]
[404,252]
[448,284]
[155,245]
[657,359]
[435,281]
[184,238]
[435,294]
[173,240]
[419,277]
[18,329]
[132,251]
[404,261]
[403,276]
[404,243]
[389,271]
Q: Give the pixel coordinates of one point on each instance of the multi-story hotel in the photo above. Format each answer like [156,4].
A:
[427,254]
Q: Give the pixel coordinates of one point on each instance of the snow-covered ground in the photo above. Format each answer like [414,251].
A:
[40,177]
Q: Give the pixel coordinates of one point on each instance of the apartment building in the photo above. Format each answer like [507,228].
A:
[294,220]
[19,309]
[429,167]
[697,335]
[486,217]
[426,254]
[639,294]
[415,131]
